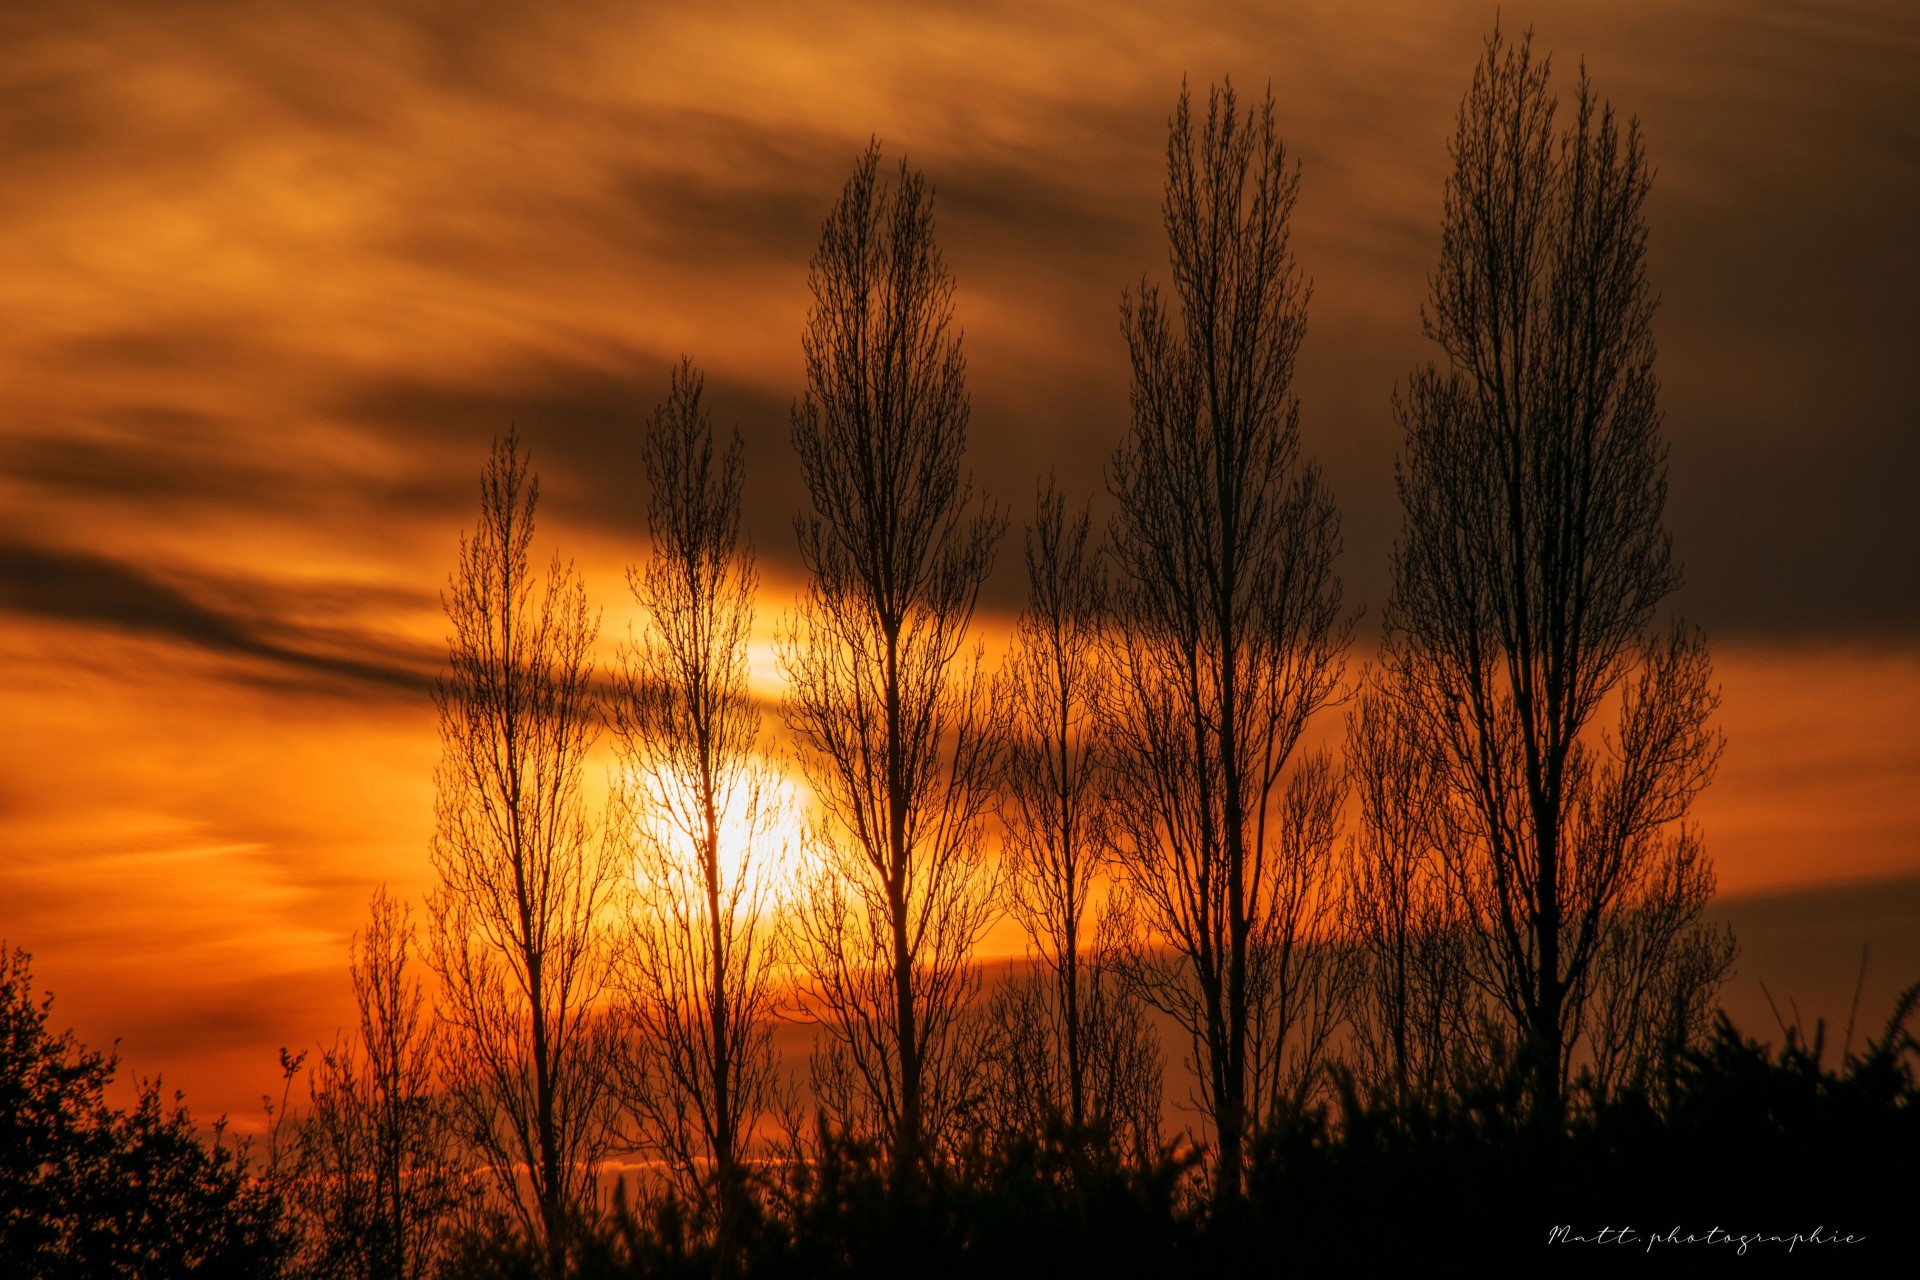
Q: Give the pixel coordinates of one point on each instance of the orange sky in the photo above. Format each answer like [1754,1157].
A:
[272,276]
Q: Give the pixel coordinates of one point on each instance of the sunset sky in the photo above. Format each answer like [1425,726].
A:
[273,275]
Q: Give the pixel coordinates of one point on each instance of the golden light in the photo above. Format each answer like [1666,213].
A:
[760,821]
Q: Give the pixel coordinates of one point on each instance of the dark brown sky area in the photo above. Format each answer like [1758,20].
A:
[272,276]
[294,264]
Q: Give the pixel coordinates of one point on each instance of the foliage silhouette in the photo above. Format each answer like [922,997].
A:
[1738,1135]
[1728,1132]
[1751,1139]
[87,1189]
[1061,1204]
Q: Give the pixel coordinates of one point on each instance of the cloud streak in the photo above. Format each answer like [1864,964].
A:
[64,585]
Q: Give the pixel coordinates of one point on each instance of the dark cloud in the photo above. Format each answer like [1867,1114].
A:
[47,115]
[65,585]
[732,195]
[144,469]
[1807,532]
[584,427]
[491,166]
[206,346]
[239,1015]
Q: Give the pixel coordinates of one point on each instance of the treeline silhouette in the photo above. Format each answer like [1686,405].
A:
[1736,1136]
[1443,994]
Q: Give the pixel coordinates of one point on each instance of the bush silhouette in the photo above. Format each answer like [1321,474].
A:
[1734,1134]
[89,1190]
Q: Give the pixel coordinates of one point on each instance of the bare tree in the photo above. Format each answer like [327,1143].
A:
[519,940]
[698,968]
[1415,1014]
[1025,1088]
[1229,636]
[1067,1040]
[378,1170]
[1531,562]
[898,732]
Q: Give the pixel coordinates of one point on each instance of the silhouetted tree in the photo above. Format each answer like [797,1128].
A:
[898,731]
[1229,636]
[87,1189]
[378,1173]
[698,968]
[519,933]
[1066,1040]
[1023,1084]
[1415,1013]
[1525,582]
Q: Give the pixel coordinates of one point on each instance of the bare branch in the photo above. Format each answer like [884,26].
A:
[899,733]
[707,820]
[1229,634]
[1069,1042]
[379,1171]
[525,879]
[1527,575]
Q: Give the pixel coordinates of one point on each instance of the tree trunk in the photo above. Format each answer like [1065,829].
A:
[907,1140]
[552,1197]
[724,1155]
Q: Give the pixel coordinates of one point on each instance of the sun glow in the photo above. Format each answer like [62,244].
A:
[761,816]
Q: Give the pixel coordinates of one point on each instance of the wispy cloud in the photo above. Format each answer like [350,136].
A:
[79,587]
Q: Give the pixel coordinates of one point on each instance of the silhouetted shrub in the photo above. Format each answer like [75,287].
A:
[88,1190]
[1736,1135]
[1733,1134]
[1064,1204]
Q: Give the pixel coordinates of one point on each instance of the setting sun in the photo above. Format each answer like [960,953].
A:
[761,834]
